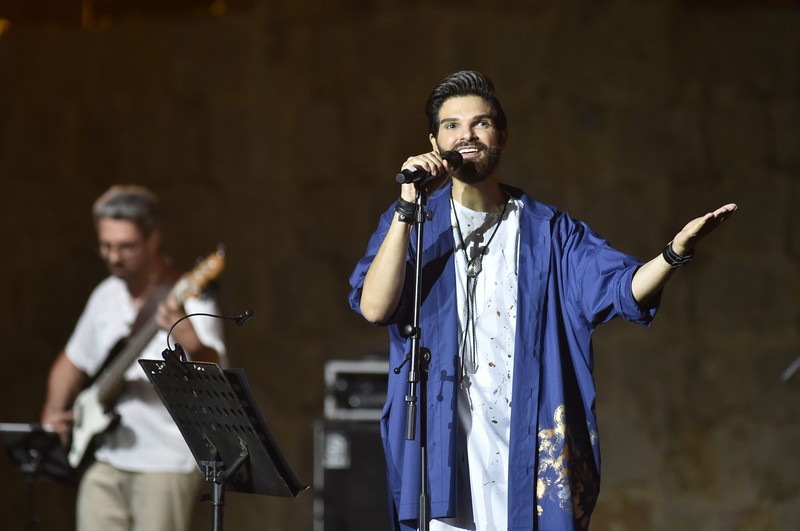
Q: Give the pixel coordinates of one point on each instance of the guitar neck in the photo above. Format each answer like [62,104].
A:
[109,383]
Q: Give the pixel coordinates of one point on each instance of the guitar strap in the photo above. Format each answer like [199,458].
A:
[148,309]
[146,315]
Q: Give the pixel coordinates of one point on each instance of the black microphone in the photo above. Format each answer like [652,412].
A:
[240,319]
[417,174]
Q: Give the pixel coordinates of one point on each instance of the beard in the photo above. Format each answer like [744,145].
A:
[477,170]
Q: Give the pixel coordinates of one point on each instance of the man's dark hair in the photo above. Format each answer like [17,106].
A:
[131,203]
[464,83]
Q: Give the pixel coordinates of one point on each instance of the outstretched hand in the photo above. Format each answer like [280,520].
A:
[650,279]
[694,231]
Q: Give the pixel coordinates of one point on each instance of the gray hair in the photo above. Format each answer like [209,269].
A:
[132,203]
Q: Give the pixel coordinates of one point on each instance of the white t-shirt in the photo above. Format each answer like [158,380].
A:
[484,403]
[146,439]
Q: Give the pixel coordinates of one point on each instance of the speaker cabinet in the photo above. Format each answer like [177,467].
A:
[349,477]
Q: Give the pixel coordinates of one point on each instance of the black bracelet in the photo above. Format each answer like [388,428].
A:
[405,210]
[674,259]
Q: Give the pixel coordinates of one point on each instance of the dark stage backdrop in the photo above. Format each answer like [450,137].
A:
[276,128]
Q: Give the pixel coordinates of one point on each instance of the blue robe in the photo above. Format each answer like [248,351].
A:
[570,280]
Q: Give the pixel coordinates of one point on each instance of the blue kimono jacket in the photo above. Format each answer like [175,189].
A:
[570,280]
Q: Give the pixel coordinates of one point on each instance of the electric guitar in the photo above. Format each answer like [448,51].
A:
[93,409]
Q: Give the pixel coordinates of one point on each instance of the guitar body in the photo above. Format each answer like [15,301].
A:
[91,420]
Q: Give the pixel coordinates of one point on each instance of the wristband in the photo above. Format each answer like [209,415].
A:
[405,210]
[674,259]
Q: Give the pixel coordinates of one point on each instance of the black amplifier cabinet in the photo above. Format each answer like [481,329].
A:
[349,477]
[349,468]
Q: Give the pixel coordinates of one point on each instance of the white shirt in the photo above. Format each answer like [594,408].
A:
[484,404]
[147,439]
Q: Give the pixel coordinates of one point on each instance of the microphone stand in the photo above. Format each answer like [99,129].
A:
[790,370]
[417,374]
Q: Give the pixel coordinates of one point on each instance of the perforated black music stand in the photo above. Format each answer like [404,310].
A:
[217,414]
[40,456]
[38,452]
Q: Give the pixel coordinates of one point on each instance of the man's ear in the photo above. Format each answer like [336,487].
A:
[433,141]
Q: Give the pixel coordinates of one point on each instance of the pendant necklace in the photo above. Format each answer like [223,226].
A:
[468,356]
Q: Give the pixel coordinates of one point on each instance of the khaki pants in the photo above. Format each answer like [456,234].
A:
[115,500]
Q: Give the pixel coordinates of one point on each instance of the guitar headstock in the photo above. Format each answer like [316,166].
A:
[191,284]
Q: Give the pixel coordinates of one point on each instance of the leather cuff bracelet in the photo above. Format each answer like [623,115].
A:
[674,259]
[405,210]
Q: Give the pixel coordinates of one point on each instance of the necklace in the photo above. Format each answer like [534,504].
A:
[469,344]
[475,265]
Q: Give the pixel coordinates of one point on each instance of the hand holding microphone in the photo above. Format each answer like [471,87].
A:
[422,168]
[417,173]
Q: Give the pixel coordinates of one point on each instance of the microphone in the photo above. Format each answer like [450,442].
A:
[417,174]
[240,319]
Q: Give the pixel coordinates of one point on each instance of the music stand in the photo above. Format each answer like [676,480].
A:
[40,455]
[38,452]
[216,412]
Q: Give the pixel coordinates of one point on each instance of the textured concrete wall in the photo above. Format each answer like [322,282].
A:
[277,129]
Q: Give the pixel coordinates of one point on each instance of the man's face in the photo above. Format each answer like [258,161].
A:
[466,125]
[124,248]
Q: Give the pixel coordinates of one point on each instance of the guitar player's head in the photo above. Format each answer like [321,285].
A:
[127,219]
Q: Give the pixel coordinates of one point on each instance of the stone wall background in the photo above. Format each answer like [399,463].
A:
[276,128]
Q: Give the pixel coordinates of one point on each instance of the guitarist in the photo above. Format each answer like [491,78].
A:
[144,476]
